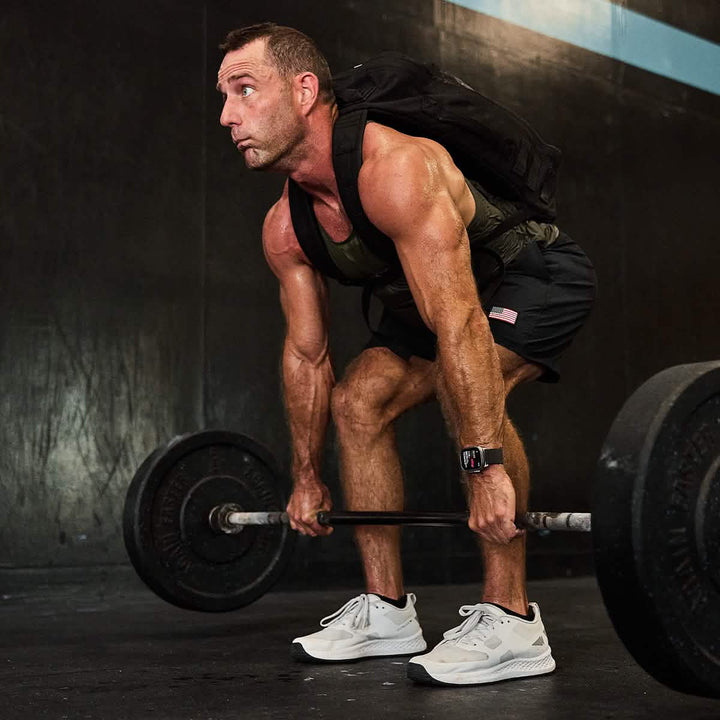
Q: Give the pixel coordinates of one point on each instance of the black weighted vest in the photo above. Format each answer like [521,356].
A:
[487,142]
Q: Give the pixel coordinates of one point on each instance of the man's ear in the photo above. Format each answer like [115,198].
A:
[306,88]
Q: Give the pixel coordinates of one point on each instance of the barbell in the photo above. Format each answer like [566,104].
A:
[232,519]
[205,529]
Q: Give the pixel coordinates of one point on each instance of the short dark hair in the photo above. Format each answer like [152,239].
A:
[291,51]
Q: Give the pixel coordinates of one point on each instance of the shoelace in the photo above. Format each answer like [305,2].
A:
[476,619]
[355,611]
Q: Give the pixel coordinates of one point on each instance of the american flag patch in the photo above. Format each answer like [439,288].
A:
[508,316]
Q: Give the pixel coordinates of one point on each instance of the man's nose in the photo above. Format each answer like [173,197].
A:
[228,117]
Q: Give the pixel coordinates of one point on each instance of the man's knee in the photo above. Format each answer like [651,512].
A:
[348,405]
[361,400]
[379,387]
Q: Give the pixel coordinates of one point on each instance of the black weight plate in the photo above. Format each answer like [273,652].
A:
[167,533]
[656,527]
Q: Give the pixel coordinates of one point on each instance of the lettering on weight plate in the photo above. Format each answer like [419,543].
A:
[684,570]
[682,484]
[171,547]
[173,498]
[253,477]
[168,516]
[682,476]
[693,592]
[180,481]
[687,472]
[685,475]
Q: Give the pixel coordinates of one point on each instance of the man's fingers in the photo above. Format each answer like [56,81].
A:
[309,525]
[317,528]
[500,532]
[510,531]
[322,530]
[300,526]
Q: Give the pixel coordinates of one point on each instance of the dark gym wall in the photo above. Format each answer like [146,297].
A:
[102,265]
[135,302]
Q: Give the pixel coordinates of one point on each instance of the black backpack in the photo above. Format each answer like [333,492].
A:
[488,143]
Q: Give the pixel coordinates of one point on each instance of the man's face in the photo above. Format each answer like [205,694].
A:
[259,108]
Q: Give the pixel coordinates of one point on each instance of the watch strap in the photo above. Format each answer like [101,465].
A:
[493,456]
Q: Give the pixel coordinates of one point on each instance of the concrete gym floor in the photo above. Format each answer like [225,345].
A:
[108,649]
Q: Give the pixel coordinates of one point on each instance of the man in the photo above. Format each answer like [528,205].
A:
[280,108]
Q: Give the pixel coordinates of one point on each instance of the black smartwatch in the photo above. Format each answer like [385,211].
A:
[475,459]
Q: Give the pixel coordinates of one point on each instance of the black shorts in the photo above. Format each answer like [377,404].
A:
[545,295]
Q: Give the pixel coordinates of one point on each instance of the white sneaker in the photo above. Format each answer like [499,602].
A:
[489,645]
[366,626]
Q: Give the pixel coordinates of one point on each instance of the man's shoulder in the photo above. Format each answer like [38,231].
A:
[380,140]
[280,242]
[278,221]
[404,179]
[389,152]
[393,160]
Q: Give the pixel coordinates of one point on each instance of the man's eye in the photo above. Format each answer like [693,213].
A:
[247,90]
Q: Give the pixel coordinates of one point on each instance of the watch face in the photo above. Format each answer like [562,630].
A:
[473,458]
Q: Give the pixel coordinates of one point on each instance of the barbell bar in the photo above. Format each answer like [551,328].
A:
[230,519]
[655,524]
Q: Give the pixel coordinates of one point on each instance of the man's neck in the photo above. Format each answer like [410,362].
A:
[314,170]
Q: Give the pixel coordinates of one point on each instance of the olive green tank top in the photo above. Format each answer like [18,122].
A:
[354,259]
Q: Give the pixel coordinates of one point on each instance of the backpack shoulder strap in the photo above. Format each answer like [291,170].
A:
[347,160]
[348,135]
[307,231]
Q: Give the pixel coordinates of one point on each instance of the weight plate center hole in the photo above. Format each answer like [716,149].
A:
[210,492]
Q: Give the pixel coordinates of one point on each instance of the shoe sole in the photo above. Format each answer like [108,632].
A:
[510,670]
[299,653]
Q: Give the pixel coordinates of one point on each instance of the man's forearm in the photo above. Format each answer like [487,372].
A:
[307,386]
[473,389]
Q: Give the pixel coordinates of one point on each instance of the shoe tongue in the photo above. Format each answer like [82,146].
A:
[491,609]
[395,603]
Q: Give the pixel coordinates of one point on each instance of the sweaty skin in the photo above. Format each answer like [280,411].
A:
[412,191]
